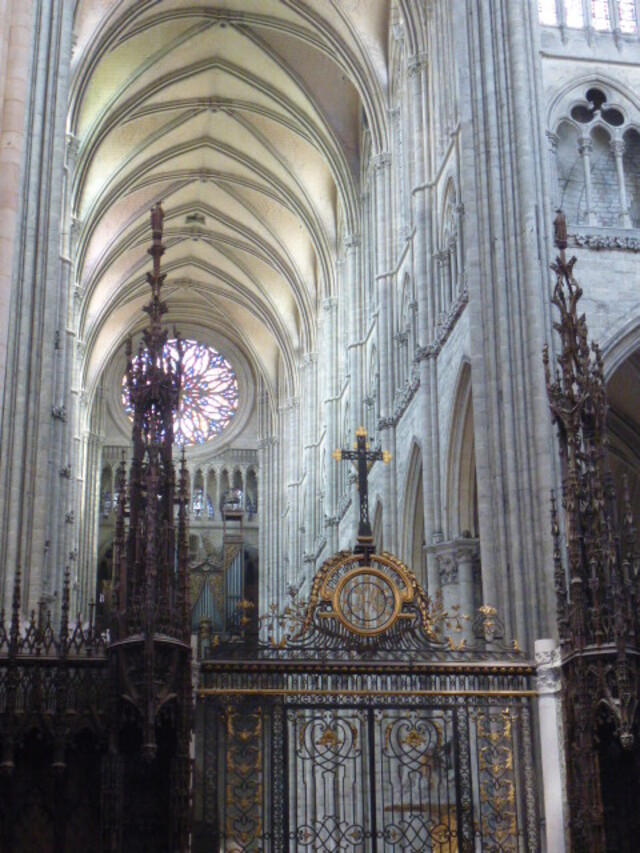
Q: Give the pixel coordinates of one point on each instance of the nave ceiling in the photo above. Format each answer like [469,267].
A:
[244,118]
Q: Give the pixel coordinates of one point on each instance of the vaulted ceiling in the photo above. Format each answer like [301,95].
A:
[244,118]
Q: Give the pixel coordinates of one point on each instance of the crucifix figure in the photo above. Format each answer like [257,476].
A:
[364,459]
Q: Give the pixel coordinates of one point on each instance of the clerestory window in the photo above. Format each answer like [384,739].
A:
[600,15]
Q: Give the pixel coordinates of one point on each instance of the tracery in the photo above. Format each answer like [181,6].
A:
[209,396]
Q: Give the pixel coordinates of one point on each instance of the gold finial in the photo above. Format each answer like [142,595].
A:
[361,431]
[386,457]
[337,455]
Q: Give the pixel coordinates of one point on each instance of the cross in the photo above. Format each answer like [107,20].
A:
[364,459]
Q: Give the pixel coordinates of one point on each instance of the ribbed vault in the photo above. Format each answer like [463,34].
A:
[244,119]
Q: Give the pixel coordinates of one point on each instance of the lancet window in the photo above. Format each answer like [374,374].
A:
[449,263]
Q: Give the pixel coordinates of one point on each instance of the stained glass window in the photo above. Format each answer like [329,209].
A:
[627,15]
[548,12]
[209,395]
[600,15]
[573,11]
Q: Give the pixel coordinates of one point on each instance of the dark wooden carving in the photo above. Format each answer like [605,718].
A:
[95,725]
[597,585]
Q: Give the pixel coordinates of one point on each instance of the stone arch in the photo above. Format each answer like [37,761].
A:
[212,491]
[106,490]
[405,330]
[198,494]
[371,398]
[595,136]
[461,502]
[447,256]
[225,485]
[251,496]
[413,516]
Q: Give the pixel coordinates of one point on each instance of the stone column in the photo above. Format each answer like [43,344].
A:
[16,35]
[88,521]
[506,255]
[308,412]
[548,686]
[36,428]
[355,365]
[268,499]
[466,554]
[425,287]
[585,148]
[447,576]
[385,280]
[332,419]
[617,146]
[553,168]
[456,561]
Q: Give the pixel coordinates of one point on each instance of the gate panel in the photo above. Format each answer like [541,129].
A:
[415,780]
[329,780]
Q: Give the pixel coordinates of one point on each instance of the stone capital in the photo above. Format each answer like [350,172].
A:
[617,147]
[447,569]
[585,146]
[548,666]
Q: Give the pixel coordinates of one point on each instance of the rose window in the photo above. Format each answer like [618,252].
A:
[209,395]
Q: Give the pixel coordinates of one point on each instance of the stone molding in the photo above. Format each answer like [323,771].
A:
[599,239]
[343,505]
[317,549]
[445,326]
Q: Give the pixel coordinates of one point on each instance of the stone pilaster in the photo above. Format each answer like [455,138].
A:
[16,35]
[548,687]
[381,164]
[506,257]
[36,432]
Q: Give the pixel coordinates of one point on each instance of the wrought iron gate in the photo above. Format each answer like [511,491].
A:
[336,741]
[372,777]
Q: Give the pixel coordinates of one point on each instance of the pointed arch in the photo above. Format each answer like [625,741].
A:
[413,515]
[461,486]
